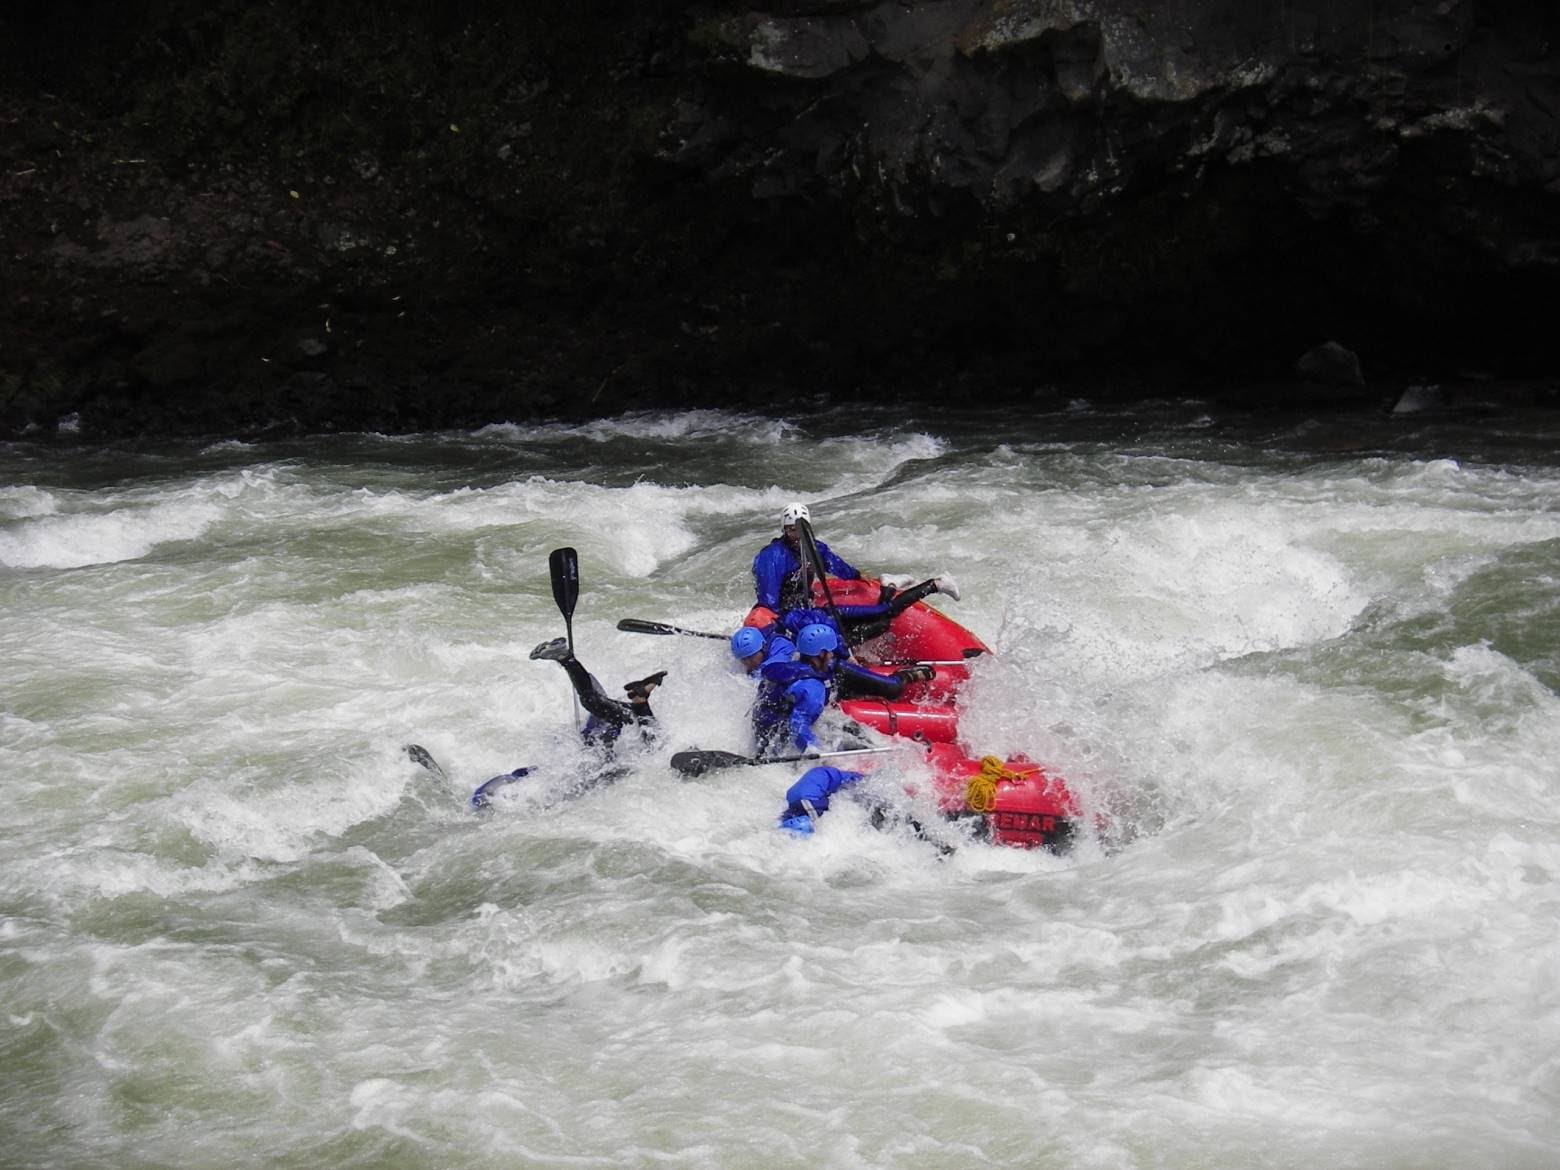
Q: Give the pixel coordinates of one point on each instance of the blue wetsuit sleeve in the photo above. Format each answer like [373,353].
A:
[483,797]
[816,785]
[836,565]
[808,697]
[769,570]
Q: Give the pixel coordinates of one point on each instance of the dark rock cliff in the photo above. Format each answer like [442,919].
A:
[228,217]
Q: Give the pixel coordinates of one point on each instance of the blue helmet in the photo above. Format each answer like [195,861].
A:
[799,825]
[815,639]
[746,641]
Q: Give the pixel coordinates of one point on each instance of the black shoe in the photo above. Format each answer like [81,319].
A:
[639,691]
[557,650]
[917,674]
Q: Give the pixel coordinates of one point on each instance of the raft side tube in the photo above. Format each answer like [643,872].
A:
[1027,808]
[920,633]
[930,723]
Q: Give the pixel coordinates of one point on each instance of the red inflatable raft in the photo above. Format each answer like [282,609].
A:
[1023,805]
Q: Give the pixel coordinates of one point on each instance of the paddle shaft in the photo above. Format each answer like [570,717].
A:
[810,551]
[640,626]
[696,763]
[820,755]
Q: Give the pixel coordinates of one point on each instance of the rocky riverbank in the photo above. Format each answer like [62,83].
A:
[238,218]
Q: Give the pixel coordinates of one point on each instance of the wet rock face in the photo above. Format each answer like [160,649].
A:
[229,217]
[1072,107]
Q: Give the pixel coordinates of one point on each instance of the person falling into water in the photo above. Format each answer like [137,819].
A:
[609,718]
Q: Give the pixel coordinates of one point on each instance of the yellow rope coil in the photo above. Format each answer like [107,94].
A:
[980,794]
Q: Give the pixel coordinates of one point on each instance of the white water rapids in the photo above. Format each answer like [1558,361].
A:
[1314,664]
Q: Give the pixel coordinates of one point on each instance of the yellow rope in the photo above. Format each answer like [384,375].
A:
[981,791]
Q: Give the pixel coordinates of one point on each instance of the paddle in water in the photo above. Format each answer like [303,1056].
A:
[421,755]
[696,763]
[640,626]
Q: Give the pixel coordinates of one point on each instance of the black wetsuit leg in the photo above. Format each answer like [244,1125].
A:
[894,603]
[608,716]
[594,700]
[857,681]
[905,598]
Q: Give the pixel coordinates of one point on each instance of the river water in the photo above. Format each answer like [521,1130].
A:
[1311,664]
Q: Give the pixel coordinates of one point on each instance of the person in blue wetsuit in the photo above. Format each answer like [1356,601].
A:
[794,690]
[777,569]
[752,645]
[780,583]
[808,798]
[485,795]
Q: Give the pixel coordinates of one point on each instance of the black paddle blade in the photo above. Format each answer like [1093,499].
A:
[421,755]
[640,626]
[564,565]
[697,763]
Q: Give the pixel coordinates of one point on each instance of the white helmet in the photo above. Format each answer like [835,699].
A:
[793,513]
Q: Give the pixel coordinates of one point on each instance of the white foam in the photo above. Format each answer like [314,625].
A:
[1331,942]
[63,540]
[24,500]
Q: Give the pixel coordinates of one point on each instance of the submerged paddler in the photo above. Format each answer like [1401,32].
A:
[808,799]
[608,719]
[780,583]
[608,716]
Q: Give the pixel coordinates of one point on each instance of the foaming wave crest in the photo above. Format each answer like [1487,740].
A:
[73,540]
[1317,691]
[17,503]
[659,425]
